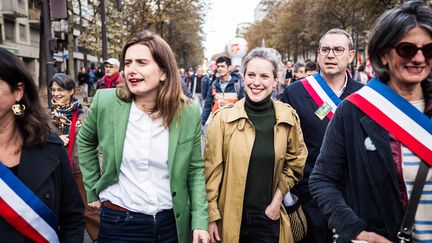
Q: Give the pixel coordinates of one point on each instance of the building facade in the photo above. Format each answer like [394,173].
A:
[20,33]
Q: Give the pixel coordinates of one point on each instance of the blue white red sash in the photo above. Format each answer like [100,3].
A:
[21,208]
[397,116]
[321,93]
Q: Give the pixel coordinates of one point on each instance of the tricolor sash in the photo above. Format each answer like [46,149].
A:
[322,95]
[397,116]
[21,208]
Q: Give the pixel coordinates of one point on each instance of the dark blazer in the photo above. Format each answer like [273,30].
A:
[46,171]
[354,183]
[313,128]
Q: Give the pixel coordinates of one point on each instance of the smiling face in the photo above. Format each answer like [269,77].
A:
[409,71]
[332,64]
[60,95]
[142,73]
[259,79]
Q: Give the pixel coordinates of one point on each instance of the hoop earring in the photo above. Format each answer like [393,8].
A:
[18,109]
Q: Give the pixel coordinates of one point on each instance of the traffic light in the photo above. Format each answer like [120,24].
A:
[57,44]
[58,9]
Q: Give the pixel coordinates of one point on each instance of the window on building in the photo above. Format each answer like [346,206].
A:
[34,37]
[23,32]
[9,27]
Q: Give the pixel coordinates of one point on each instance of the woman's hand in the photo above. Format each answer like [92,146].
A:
[214,232]
[371,237]
[95,205]
[200,236]
[273,210]
[65,139]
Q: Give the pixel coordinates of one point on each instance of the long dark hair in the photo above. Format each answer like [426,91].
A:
[33,123]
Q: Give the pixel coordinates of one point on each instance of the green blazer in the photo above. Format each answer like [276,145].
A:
[105,127]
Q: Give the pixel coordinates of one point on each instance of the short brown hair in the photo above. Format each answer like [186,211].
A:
[170,93]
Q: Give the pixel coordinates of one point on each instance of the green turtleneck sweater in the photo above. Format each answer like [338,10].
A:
[259,182]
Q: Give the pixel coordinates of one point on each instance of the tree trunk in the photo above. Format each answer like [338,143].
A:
[42,59]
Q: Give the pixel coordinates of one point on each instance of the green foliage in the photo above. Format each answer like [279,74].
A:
[179,22]
[294,27]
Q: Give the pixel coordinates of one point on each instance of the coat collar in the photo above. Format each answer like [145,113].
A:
[352,87]
[121,111]
[174,133]
[282,116]
[37,164]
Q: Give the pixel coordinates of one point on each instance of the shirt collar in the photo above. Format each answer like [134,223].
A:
[135,113]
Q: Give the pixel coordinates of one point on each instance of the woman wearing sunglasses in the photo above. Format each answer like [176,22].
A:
[381,136]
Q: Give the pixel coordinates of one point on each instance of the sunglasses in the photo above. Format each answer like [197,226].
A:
[409,50]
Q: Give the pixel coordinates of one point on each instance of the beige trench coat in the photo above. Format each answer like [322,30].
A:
[229,145]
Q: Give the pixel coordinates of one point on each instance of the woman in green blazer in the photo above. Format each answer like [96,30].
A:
[150,185]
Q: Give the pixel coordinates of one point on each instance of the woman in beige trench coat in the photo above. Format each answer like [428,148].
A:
[254,155]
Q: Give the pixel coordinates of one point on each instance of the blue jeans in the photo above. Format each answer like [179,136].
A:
[119,227]
[258,228]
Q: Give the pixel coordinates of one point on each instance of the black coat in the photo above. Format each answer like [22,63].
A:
[355,185]
[46,171]
[313,128]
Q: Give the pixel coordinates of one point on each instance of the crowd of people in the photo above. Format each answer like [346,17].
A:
[348,152]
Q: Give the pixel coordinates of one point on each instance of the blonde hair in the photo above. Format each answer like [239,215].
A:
[170,93]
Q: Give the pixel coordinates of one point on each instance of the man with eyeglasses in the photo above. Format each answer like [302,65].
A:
[315,98]
[112,77]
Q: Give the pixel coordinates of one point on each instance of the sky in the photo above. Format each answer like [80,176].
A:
[221,22]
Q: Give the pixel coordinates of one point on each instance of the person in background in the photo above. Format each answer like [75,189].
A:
[288,74]
[190,75]
[67,116]
[92,79]
[112,77]
[149,133]
[99,72]
[39,199]
[361,76]
[253,156]
[315,99]
[225,90]
[83,83]
[206,83]
[310,68]
[199,79]
[299,71]
[373,148]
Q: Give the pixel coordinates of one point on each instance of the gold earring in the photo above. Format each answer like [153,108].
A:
[18,109]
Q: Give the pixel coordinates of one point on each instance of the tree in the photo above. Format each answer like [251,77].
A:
[294,27]
[179,22]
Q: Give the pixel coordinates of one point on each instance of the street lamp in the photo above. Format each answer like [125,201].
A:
[47,48]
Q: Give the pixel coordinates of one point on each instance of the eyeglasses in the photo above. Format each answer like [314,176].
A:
[409,50]
[337,50]
[59,90]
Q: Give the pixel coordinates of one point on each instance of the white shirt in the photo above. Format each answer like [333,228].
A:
[340,92]
[143,184]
